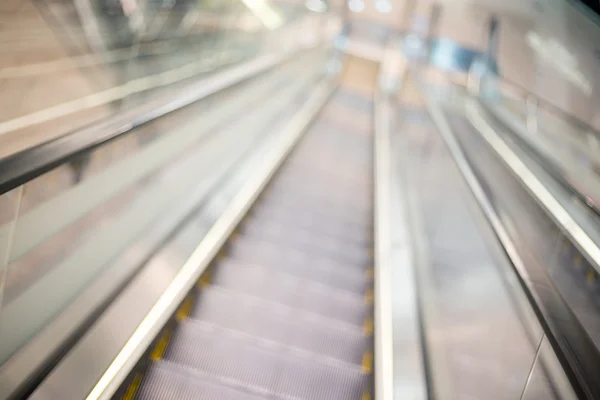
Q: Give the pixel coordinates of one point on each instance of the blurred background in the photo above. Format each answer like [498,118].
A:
[319,199]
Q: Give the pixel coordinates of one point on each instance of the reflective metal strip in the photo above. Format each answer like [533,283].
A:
[384,379]
[534,186]
[553,368]
[397,376]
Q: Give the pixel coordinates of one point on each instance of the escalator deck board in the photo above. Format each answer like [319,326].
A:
[287,313]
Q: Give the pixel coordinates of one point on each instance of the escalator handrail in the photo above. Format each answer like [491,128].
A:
[26,165]
[581,126]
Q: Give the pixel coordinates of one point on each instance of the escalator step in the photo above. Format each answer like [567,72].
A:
[317,178]
[330,247]
[214,300]
[291,291]
[342,253]
[264,365]
[296,262]
[230,271]
[341,212]
[166,381]
[346,208]
[312,223]
[291,329]
[312,187]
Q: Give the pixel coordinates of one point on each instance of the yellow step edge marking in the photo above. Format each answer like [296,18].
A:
[591,276]
[369,296]
[161,346]
[577,259]
[370,273]
[133,387]
[234,236]
[368,326]
[205,279]
[185,309]
[370,252]
[366,395]
[367,362]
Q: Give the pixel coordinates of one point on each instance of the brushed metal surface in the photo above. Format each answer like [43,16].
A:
[488,350]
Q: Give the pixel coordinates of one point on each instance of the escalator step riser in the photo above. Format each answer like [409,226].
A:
[320,174]
[317,179]
[305,239]
[289,293]
[349,256]
[231,300]
[323,279]
[313,187]
[349,177]
[337,275]
[311,226]
[314,220]
[260,281]
[338,213]
[344,204]
[320,177]
[297,182]
[356,149]
[286,328]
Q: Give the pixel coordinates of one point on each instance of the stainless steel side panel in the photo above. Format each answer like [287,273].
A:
[488,342]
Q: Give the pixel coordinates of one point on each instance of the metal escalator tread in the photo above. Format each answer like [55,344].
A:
[287,313]
[167,381]
[334,274]
[292,291]
[256,317]
[266,366]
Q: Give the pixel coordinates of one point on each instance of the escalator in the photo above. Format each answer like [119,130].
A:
[286,309]
[270,283]
[533,215]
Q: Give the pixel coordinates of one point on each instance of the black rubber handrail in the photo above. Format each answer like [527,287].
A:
[20,168]
[552,108]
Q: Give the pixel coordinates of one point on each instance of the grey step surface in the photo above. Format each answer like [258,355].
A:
[312,224]
[265,366]
[302,264]
[327,246]
[230,271]
[292,327]
[291,291]
[336,227]
[167,381]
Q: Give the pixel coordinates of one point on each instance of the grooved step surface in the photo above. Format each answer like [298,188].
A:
[166,381]
[292,291]
[312,224]
[300,264]
[287,313]
[217,298]
[266,366]
[326,246]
